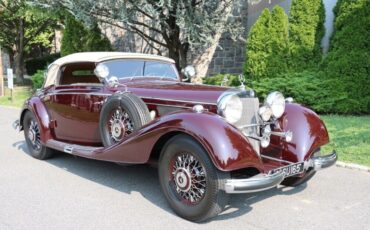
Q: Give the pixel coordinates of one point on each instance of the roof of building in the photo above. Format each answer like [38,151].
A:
[104,56]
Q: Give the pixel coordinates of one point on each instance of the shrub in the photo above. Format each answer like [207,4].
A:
[312,89]
[233,80]
[38,79]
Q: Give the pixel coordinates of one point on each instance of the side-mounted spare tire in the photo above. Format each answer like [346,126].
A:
[121,115]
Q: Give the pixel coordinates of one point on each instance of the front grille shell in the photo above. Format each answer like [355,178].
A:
[250,116]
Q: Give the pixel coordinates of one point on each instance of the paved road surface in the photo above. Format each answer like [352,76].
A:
[67,192]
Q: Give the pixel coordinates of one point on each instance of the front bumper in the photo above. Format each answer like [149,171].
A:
[321,162]
[256,183]
[263,182]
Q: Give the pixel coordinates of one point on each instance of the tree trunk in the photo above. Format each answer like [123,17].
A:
[19,53]
[178,52]
[176,49]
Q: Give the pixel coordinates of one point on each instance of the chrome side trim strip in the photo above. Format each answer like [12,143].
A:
[176,106]
[180,101]
[71,93]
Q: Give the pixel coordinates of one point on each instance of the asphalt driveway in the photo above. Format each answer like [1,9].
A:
[69,192]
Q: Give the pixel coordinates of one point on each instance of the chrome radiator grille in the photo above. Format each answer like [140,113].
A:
[250,113]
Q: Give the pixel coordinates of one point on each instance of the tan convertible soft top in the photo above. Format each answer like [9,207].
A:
[103,56]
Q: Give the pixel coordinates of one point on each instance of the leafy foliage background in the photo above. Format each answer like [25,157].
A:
[293,63]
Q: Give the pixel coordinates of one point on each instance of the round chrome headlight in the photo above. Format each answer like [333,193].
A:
[230,107]
[276,102]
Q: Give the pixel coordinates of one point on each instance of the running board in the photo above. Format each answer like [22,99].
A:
[73,148]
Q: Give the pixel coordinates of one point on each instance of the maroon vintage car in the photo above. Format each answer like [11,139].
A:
[208,141]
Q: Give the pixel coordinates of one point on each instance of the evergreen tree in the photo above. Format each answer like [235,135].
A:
[306,29]
[258,47]
[279,42]
[78,38]
[348,59]
[267,52]
[96,41]
[74,37]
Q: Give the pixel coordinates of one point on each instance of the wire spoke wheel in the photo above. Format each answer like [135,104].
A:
[188,178]
[119,125]
[33,135]
[191,183]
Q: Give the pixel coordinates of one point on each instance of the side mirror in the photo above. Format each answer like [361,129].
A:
[189,72]
[113,82]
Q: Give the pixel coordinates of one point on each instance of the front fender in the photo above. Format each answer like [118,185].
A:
[227,147]
[309,133]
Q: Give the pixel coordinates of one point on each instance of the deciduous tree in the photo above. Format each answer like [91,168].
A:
[176,25]
[23,26]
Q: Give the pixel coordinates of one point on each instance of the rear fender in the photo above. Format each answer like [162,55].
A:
[37,107]
[227,147]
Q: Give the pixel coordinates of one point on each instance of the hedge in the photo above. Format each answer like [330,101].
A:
[312,89]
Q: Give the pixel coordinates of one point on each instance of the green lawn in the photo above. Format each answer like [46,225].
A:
[20,94]
[350,137]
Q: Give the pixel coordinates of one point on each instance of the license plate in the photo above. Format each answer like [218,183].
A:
[290,170]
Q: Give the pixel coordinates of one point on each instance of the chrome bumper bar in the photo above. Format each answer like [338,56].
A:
[16,125]
[256,183]
[263,182]
[321,162]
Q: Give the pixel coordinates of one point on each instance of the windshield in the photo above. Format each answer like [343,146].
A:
[139,68]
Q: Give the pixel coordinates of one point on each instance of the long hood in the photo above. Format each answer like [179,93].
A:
[174,90]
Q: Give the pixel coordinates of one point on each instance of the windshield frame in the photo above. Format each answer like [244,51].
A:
[172,65]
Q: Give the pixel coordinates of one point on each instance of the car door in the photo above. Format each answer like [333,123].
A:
[74,104]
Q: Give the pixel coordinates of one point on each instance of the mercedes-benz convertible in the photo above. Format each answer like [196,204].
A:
[207,141]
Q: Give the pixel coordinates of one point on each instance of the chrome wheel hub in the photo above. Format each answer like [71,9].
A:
[119,125]
[34,135]
[189,178]
[183,179]
[31,135]
[117,129]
